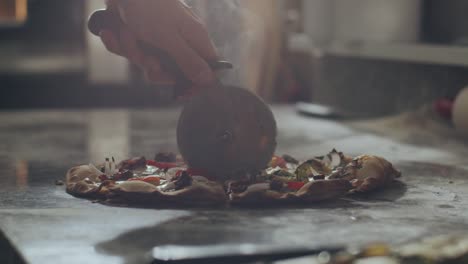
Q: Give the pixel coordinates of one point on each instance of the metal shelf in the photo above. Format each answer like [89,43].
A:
[22,58]
[407,52]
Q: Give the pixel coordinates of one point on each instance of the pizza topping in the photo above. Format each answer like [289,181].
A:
[270,171]
[150,170]
[311,168]
[305,170]
[149,179]
[122,175]
[106,185]
[107,169]
[136,186]
[133,164]
[319,177]
[290,159]
[183,180]
[237,186]
[177,172]
[171,173]
[295,186]
[277,162]
[162,165]
[283,173]
[336,174]
[155,180]
[328,177]
[167,157]
[333,159]
[170,186]
[284,177]
[113,167]
[103,177]
[276,185]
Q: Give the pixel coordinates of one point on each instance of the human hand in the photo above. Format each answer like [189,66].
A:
[168,25]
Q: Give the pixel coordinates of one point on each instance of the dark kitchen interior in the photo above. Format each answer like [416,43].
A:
[378,79]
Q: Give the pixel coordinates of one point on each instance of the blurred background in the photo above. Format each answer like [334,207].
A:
[363,56]
[65,100]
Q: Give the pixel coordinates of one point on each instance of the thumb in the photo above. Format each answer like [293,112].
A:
[194,67]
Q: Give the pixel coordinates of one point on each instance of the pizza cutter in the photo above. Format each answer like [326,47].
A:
[105,19]
[222,130]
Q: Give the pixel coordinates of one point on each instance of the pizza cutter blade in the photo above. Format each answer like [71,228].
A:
[221,129]
[227,132]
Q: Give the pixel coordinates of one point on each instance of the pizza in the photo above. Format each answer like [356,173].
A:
[441,249]
[167,181]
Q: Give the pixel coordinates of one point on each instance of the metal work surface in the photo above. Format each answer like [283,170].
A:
[46,225]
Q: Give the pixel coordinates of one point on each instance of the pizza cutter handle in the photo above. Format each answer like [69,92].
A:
[104,19]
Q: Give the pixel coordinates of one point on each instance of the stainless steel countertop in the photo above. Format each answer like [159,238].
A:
[46,225]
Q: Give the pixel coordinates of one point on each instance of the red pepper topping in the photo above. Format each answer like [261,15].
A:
[155,180]
[194,172]
[161,165]
[103,177]
[444,107]
[295,185]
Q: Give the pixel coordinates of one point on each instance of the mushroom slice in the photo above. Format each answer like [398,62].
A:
[311,168]
[335,159]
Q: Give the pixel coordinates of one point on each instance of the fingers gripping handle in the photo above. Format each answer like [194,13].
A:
[103,19]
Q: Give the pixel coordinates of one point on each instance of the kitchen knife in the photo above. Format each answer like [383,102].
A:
[326,112]
[235,253]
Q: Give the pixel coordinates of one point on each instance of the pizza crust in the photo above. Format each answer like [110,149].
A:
[200,193]
[312,192]
[368,173]
[83,181]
